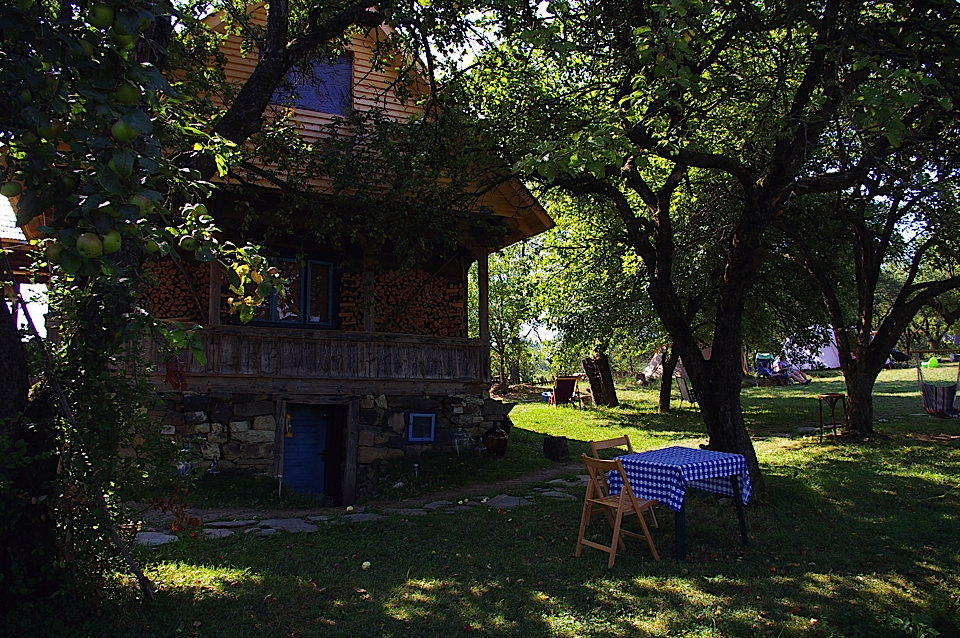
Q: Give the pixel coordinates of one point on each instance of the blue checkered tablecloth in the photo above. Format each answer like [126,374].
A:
[665,474]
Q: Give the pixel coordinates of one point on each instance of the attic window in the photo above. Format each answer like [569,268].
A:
[323,85]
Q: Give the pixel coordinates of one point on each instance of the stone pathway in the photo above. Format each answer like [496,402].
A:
[307,524]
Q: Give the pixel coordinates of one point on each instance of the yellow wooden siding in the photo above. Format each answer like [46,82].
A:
[374,88]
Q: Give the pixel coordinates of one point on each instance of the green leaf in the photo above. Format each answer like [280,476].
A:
[110,182]
[547,171]
[232,277]
[204,254]
[199,354]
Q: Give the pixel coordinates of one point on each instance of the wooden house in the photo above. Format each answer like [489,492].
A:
[365,361]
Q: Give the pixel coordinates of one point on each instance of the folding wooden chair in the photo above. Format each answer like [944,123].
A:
[606,444]
[620,441]
[615,507]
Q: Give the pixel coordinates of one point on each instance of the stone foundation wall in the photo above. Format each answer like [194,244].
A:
[239,430]
[383,428]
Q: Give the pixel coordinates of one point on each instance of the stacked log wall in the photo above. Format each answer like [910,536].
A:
[173,294]
[407,302]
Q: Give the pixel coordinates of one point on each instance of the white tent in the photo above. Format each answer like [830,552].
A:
[828,356]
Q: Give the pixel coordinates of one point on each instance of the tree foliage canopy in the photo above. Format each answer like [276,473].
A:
[723,112]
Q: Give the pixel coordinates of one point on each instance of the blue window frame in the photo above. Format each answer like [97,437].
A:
[325,86]
[309,296]
[421,427]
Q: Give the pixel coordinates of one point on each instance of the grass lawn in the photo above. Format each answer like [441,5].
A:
[846,540]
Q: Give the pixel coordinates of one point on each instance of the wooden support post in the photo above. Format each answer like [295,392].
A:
[350,462]
[280,416]
[213,304]
[369,289]
[483,312]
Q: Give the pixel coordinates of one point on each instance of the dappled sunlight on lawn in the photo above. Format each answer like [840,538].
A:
[845,540]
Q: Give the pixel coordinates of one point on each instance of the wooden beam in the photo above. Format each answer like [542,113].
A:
[213,304]
[350,461]
[280,416]
[483,311]
[290,386]
[369,288]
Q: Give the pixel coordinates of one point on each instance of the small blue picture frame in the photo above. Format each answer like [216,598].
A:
[421,427]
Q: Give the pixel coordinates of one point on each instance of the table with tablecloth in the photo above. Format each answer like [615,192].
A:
[664,475]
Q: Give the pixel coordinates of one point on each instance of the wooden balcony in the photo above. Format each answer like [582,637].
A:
[286,361]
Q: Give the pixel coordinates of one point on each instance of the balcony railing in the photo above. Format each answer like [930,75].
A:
[265,359]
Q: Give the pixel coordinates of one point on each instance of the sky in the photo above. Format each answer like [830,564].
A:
[35,295]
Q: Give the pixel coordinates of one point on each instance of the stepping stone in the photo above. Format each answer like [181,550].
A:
[557,494]
[581,479]
[503,501]
[360,518]
[154,538]
[319,519]
[218,533]
[407,511]
[456,508]
[229,524]
[436,505]
[293,525]
[265,531]
[807,430]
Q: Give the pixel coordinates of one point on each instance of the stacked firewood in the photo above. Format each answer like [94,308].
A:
[351,301]
[407,302]
[173,296]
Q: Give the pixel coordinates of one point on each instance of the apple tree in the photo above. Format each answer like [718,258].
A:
[735,105]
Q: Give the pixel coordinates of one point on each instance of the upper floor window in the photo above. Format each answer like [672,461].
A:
[323,85]
[309,298]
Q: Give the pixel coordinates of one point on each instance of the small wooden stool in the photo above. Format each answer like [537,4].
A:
[832,399]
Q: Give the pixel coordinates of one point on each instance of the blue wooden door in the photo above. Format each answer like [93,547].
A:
[304,448]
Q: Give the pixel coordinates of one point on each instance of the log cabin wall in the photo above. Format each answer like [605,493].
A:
[367,376]
[407,302]
[180,292]
[414,301]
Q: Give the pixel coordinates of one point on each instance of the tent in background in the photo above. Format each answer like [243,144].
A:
[826,357]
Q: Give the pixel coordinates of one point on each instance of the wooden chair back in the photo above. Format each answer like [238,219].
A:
[606,444]
[615,507]
[564,390]
[619,442]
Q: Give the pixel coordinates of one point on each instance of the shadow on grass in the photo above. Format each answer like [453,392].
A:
[844,542]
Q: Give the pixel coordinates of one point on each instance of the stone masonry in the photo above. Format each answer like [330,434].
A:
[239,430]
[383,428]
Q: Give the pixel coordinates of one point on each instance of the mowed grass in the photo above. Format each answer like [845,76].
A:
[846,540]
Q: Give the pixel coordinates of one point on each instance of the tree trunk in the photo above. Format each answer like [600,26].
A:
[717,381]
[28,531]
[860,404]
[720,407]
[600,377]
[606,377]
[514,374]
[667,364]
